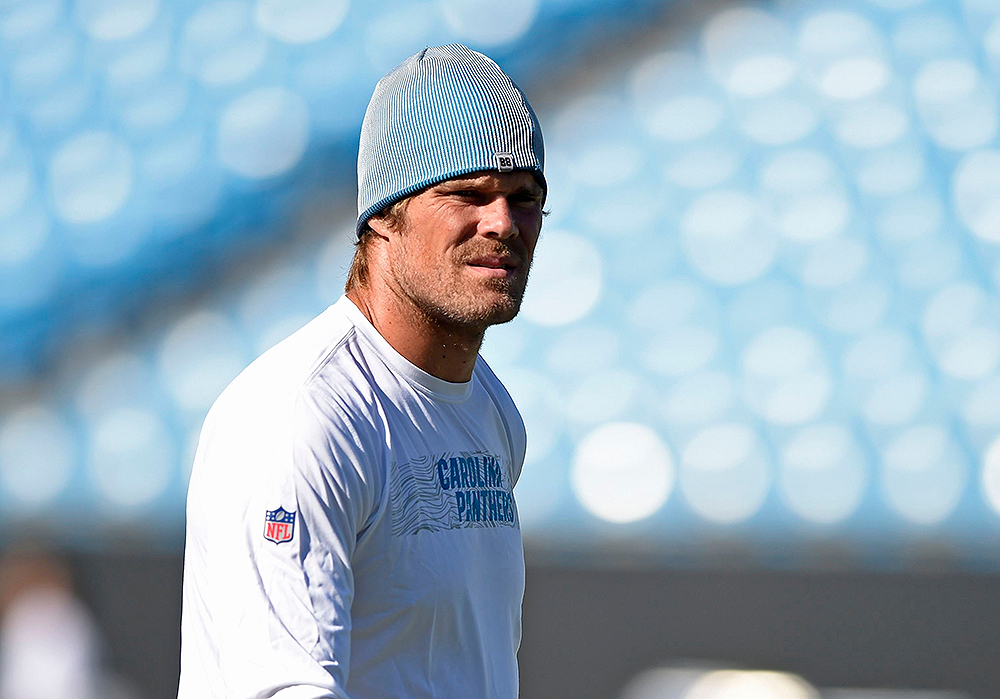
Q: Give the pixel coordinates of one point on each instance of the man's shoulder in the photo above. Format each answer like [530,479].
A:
[316,353]
[281,403]
[510,416]
[494,386]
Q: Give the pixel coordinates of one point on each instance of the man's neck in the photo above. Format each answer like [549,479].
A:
[447,352]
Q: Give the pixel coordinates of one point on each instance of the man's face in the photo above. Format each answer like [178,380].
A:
[463,249]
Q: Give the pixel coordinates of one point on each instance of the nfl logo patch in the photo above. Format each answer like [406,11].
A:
[279,525]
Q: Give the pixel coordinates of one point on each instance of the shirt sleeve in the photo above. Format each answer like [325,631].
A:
[510,417]
[327,487]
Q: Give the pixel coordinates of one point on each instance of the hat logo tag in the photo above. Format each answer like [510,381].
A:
[505,161]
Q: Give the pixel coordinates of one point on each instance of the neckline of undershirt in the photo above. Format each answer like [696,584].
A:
[428,383]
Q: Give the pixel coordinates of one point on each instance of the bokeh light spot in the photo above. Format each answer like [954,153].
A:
[726,237]
[91,177]
[300,21]
[700,169]
[112,20]
[600,397]
[263,133]
[132,456]
[815,216]
[823,474]
[16,185]
[681,350]
[489,22]
[896,399]
[537,400]
[607,162]
[566,280]
[786,380]
[910,217]
[835,32]
[684,118]
[923,474]
[853,78]
[981,406]
[761,75]
[724,473]
[671,303]
[858,306]
[43,63]
[622,472]
[892,171]
[750,684]
[779,121]
[22,20]
[200,355]
[744,48]
[975,190]
[797,170]
[37,454]
[886,381]
[834,262]
[221,45]
[564,356]
[873,124]
[961,330]
[26,236]
[930,264]
[120,380]
[990,476]
[956,107]
[699,398]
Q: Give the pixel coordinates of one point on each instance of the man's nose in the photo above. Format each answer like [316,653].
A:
[497,220]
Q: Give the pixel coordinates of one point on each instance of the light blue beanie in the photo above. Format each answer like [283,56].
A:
[443,112]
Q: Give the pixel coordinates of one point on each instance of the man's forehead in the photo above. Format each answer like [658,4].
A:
[521,179]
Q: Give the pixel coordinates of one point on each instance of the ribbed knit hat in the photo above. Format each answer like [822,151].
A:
[443,112]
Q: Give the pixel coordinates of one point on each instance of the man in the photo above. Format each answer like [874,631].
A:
[351,527]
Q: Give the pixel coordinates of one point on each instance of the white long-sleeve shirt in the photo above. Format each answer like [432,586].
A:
[351,528]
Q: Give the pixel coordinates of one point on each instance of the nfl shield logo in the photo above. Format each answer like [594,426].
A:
[279,525]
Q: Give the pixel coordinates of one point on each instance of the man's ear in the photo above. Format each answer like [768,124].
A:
[380,226]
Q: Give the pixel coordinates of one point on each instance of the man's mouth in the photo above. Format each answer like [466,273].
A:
[496,266]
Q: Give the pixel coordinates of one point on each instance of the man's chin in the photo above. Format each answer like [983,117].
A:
[496,319]
[496,315]
[501,310]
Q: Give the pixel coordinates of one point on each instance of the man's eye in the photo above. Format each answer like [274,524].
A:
[527,201]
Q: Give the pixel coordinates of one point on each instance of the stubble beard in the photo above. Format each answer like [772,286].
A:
[446,296]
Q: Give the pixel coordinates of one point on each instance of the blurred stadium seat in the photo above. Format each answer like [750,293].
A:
[763,307]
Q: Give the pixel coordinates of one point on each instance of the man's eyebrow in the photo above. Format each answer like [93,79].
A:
[529,187]
[459,182]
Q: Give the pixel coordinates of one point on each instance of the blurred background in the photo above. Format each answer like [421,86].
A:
[758,360]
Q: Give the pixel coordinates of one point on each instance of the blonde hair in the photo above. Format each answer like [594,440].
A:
[394,217]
